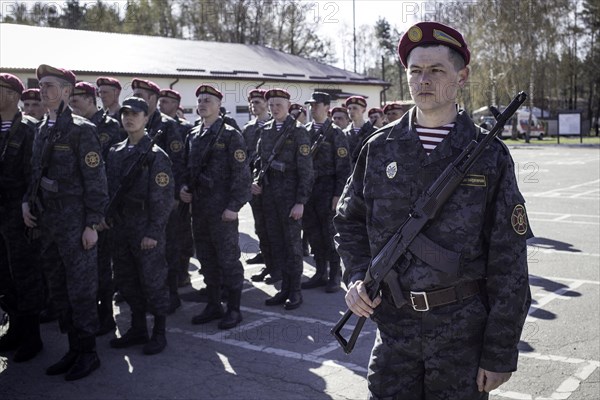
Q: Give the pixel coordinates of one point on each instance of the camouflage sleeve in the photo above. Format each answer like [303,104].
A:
[507,284]
[161,186]
[342,161]
[115,132]
[36,151]
[91,165]
[350,221]
[27,144]
[240,173]
[185,173]
[304,165]
[175,150]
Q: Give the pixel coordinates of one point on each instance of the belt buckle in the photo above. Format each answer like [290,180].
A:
[412,300]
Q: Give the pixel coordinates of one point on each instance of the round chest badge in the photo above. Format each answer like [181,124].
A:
[92,159]
[304,149]
[415,34]
[104,137]
[176,146]
[391,170]
[342,152]
[518,219]
[240,155]
[162,179]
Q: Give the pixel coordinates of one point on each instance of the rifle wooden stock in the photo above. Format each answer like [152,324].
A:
[425,209]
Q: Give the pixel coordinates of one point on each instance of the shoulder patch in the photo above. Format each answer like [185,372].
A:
[342,152]
[175,146]
[92,159]
[304,149]
[104,137]
[162,179]
[518,219]
[240,155]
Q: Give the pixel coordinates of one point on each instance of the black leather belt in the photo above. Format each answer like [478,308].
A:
[425,301]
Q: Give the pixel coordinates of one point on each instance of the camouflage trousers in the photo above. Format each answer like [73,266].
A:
[261,231]
[285,234]
[71,271]
[105,279]
[20,272]
[140,275]
[427,355]
[217,247]
[317,221]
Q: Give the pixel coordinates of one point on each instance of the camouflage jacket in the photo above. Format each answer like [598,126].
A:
[298,178]
[484,221]
[109,131]
[355,140]
[76,164]
[171,141]
[251,133]
[331,156]
[225,179]
[150,199]
[15,157]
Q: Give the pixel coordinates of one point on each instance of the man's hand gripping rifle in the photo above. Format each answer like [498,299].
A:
[425,209]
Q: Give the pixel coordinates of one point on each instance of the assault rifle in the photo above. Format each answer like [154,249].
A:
[35,204]
[183,208]
[112,210]
[425,209]
[320,139]
[285,132]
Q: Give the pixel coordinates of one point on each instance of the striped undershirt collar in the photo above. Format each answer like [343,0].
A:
[6,125]
[431,137]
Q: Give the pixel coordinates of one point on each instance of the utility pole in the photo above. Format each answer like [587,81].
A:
[354,30]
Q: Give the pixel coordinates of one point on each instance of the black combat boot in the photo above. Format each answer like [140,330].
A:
[295,298]
[333,284]
[31,343]
[233,316]
[158,341]
[260,276]
[213,310]
[105,316]
[68,359]
[174,300]
[319,278]
[257,259]
[87,359]
[13,337]
[281,296]
[137,334]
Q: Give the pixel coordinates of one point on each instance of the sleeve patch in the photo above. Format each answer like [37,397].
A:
[342,152]
[518,219]
[162,179]
[104,137]
[304,149]
[92,159]
[240,155]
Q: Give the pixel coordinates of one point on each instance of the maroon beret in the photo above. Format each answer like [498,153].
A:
[295,107]
[84,88]
[375,110]
[434,33]
[208,89]
[339,109]
[361,101]
[145,84]
[277,92]
[392,106]
[107,81]
[12,82]
[170,93]
[256,94]
[31,94]
[64,74]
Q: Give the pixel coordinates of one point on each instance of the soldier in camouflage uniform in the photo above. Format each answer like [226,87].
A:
[359,129]
[20,273]
[83,102]
[139,232]
[109,90]
[172,143]
[376,117]
[217,183]
[394,111]
[251,133]
[168,103]
[331,164]
[284,192]
[32,104]
[463,290]
[339,115]
[74,195]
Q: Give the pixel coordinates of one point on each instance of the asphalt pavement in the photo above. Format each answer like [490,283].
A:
[278,354]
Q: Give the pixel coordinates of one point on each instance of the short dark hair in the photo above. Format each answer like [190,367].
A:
[455,57]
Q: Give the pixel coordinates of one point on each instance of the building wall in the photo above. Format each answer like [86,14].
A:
[234,91]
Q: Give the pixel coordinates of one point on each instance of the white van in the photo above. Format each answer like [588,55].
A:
[537,128]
